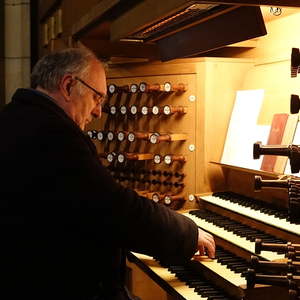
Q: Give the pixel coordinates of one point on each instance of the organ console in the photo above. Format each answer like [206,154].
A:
[237,222]
[164,130]
[172,174]
[153,104]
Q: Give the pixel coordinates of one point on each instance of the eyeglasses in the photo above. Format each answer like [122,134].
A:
[99,97]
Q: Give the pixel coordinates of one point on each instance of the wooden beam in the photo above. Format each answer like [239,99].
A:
[245,44]
[151,11]
[143,14]
[290,3]
[201,20]
[107,49]
[46,8]
[212,34]
[92,16]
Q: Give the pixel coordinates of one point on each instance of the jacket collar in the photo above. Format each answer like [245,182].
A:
[33,97]
[37,98]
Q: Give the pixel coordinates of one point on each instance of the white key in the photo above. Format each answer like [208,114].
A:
[179,286]
[254,214]
[232,238]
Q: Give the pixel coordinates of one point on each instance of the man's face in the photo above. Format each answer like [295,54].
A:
[87,105]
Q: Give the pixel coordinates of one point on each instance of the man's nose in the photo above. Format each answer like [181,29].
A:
[96,112]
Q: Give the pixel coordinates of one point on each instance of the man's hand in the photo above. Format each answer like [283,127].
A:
[206,244]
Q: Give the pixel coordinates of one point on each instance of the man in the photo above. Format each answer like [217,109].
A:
[64,221]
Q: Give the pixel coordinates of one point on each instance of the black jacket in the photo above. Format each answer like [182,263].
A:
[64,220]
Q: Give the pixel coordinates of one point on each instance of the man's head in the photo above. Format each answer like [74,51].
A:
[75,79]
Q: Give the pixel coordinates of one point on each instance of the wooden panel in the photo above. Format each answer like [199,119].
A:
[272,65]
[93,15]
[208,108]
[162,124]
[105,48]
[46,8]
[242,182]
[72,11]
[256,2]
[153,68]
[223,77]
[199,38]
[149,12]
[143,14]
[145,287]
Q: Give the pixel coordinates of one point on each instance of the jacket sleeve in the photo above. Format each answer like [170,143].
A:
[106,210]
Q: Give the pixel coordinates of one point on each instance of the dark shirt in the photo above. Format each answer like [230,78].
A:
[65,222]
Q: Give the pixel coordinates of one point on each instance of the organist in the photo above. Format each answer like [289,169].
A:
[65,223]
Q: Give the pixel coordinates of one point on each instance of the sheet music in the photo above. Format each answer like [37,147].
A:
[243,130]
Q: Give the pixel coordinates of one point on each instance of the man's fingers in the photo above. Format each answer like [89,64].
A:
[206,243]
[201,250]
[210,247]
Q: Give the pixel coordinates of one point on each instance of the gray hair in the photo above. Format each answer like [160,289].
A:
[50,69]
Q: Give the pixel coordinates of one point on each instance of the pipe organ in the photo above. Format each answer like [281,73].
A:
[163,130]
[162,134]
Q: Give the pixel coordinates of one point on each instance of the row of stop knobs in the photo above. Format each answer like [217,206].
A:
[155,110]
[153,138]
[144,87]
[167,199]
[148,182]
[143,173]
[156,158]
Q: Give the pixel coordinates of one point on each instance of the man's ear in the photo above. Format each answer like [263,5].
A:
[65,86]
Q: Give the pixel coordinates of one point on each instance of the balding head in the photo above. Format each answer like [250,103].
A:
[50,69]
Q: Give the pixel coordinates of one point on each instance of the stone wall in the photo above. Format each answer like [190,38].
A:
[16,45]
